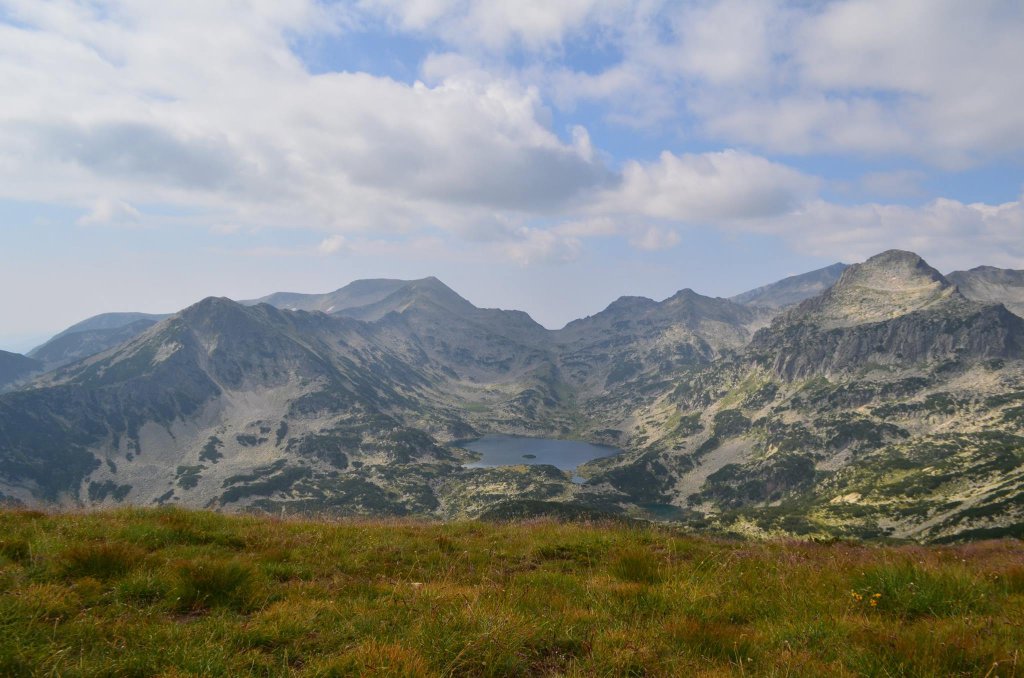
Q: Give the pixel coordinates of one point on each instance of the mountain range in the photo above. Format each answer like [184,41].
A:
[881,399]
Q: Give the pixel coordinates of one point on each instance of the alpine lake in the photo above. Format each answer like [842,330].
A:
[506,450]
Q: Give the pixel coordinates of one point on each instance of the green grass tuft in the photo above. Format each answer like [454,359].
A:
[909,591]
[100,561]
[206,583]
[168,592]
[636,565]
[15,549]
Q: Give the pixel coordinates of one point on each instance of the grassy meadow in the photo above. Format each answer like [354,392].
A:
[170,592]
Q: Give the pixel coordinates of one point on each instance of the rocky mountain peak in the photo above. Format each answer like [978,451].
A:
[210,307]
[686,294]
[433,287]
[426,294]
[214,317]
[627,304]
[893,270]
[886,286]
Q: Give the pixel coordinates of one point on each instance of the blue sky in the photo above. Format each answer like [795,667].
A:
[534,155]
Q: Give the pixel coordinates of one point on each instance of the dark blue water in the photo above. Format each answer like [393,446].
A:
[500,450]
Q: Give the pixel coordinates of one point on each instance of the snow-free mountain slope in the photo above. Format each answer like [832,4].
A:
[93,335]
[886,286]
[857,412]
[792,290]
[992,285]
[894,309]
[15,367]
[354,295]
[888,405]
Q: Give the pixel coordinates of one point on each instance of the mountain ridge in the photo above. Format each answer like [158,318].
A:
[91,336]
[15,367]
[748,418]
[992,285]
[793,289]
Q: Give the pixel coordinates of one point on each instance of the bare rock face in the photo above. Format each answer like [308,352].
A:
[959,331]
[890,404]
[635,336]
[894,309]
[991,285]
[886,286]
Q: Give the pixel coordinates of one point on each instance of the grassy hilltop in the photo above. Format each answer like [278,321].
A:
[175,593]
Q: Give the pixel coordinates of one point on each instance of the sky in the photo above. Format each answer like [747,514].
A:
[539,155]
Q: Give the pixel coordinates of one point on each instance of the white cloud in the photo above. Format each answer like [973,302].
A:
[109,212]
[946,63]
[538,246]
[709,187]
[655,238]
[727,42]
[948,233]
[332,244]
[934,79]
[205,106]
[603,226]
[495,24]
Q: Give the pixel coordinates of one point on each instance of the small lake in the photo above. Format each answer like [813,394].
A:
[501,450]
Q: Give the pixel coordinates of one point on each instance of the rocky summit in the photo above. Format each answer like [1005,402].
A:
[881,399]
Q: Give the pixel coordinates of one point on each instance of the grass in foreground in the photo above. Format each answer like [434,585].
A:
[176,593]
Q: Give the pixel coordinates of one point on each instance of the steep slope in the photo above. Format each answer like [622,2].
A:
[894,309]
[499,361]
[15,367]
[636,340]
[886,286]
[792,290]
[500,366]
[220,403]
[890,405]
[93,335]
[991,285]
[354,295]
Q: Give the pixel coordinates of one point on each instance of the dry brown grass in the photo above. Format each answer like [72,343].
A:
[179,593]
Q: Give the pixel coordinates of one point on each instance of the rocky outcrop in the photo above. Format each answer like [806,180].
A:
[960,331]
[991,285]
[894,310]
[891,385]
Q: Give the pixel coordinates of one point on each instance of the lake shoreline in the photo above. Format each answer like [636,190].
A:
[498,450]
